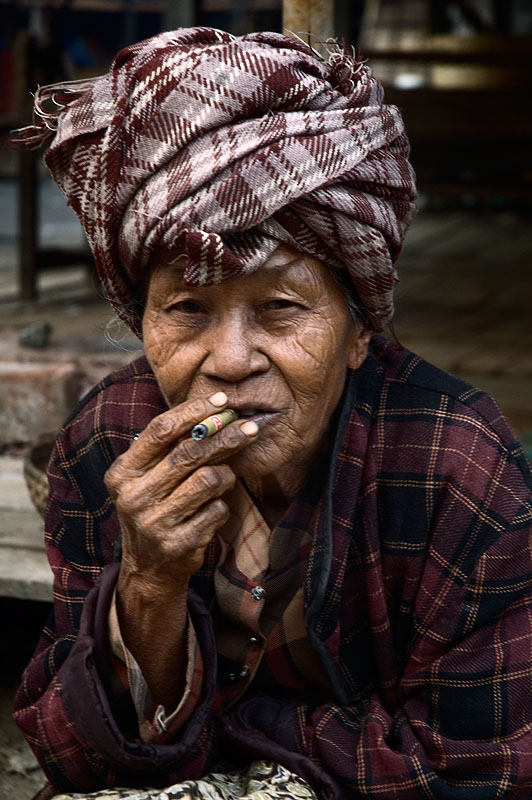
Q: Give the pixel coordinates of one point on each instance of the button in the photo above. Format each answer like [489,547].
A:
[242,674]
[258,593]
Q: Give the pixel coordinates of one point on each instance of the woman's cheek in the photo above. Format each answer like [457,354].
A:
[161,342]
[169,369]
[318,347]
[153,336]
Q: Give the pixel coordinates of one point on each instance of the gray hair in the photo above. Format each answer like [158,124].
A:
[356,309]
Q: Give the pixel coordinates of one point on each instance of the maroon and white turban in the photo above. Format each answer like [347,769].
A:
[221,147]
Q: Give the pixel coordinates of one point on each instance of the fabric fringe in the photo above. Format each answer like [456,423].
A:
[341,58]
[49,103]
[344,63]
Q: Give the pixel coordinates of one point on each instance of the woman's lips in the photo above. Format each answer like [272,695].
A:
[259,415]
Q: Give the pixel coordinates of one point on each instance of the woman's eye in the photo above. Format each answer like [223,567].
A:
[187,307]
[275,305]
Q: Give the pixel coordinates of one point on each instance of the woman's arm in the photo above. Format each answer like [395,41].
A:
[82,732]
[168,498]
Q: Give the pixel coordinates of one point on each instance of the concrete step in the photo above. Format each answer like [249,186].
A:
[24,569]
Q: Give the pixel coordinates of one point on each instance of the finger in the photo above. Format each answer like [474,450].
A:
[138,501]
[205,484]
[195,534]
[182,548]
[166,429]
[161,434]
[190,455]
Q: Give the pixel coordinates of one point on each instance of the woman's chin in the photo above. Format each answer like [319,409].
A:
[256,461]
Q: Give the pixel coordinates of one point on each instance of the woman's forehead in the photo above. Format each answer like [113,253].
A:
[281,256]
[285,263]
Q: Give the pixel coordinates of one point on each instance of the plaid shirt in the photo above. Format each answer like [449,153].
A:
[417,602]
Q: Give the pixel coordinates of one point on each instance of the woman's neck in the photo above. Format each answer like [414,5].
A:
[274,493]
[271,498]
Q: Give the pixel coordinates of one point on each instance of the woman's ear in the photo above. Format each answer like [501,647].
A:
[358,348]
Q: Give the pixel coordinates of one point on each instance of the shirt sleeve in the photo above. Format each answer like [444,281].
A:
[155,724]
[81,726]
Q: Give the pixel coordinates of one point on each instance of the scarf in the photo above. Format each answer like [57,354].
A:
[218,148]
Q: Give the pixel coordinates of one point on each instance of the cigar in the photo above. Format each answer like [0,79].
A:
[213,424]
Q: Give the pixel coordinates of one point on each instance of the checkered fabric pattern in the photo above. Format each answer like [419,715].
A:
[417,602]
[219,147]
[263,640]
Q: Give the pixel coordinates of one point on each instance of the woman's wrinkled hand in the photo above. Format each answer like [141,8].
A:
[167,490]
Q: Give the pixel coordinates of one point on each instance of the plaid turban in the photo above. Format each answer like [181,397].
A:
[221,147]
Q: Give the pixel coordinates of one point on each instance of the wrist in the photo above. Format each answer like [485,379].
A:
[151,586]
[150,616]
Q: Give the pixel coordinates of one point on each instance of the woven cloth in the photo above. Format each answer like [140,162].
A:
[220,147]
[262,780]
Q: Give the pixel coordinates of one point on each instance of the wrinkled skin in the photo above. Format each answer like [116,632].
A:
[277,342]
[281,337]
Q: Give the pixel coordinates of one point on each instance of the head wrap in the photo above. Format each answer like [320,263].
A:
[221,147]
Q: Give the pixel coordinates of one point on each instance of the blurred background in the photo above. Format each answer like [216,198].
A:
[460,70]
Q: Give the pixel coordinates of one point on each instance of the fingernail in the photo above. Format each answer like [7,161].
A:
[250,428]
[218,399]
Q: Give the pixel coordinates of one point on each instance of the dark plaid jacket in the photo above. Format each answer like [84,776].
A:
[418,601]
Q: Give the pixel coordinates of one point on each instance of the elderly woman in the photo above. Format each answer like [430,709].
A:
[329,597]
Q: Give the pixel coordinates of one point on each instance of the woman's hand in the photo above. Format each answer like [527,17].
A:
[167,490]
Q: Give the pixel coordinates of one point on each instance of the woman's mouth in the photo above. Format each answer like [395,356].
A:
[258,415]
[248,412]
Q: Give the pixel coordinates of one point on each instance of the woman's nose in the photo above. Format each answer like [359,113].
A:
[233,351]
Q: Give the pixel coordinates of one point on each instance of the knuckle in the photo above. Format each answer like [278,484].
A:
[208,478]
[167,548]
[200,408]
[117,475]
[218,510]
[190,542]
[186,452]
[183,547]
[126,500]
[232,436]
[173,458]
[160,428]
[227,476]
[112,478]
[117,463]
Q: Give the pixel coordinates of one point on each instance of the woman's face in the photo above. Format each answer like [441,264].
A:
[277,342]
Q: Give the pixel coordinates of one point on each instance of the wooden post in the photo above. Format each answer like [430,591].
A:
[28,187]
[301,17]
[27,179]
[130,24]
[322,18]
